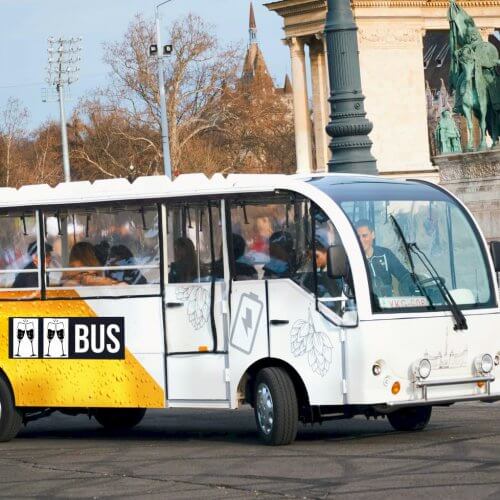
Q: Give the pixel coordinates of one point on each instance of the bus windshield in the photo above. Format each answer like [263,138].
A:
[418,244]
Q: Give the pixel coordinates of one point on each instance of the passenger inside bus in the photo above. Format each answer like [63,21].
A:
[326,286]
[282,260]
[83,255]
[262,231]
[383,264]
[120,255]
[102,252]
[242,270]
[183,269]
[30,280]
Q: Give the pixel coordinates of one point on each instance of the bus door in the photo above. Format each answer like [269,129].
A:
[281,297]
[195,316]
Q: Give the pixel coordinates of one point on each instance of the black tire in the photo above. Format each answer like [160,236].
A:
[119,418]
[410,419]
[275,383]
[10,417]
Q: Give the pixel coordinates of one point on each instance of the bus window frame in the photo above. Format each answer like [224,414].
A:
[376,310]
[42,211]
[292,197]
[207,202]
[29,291]
[326,312]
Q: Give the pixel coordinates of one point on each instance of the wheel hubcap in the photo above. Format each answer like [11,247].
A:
[265,408]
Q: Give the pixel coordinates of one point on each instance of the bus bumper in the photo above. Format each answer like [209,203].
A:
[485,398]
[423,385]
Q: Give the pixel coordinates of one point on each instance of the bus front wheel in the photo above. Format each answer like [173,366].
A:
[119,418]
[10,418]
[410,419]
[275,406]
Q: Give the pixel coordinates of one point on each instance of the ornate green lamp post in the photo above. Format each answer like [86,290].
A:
[348,127]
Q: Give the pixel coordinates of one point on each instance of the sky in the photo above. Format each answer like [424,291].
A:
[25,26]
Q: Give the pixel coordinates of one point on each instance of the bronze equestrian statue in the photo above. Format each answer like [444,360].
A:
[474,77]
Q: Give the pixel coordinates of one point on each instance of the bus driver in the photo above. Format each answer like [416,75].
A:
[382,262]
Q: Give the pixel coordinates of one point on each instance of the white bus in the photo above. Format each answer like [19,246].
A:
[308,297]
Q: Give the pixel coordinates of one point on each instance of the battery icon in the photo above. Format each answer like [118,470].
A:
[246,323]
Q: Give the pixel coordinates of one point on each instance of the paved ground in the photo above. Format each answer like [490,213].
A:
[214,454]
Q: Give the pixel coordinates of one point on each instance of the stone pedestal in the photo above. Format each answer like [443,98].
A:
[475,179]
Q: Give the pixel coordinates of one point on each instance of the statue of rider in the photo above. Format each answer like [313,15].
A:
[474,75]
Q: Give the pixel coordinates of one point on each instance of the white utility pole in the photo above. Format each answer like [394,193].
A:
[161,52]
[62,71]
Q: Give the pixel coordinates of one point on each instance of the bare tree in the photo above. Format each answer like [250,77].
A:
[106,142]
[13,122]
[128,111]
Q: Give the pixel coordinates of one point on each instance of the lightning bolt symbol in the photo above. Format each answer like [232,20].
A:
[247,320]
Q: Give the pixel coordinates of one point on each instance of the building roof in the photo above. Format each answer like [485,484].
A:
[252,23]
[254,66]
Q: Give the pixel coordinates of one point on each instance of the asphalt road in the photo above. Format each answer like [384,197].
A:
[216,454]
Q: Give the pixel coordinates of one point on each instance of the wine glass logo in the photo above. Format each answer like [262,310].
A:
[55,328]
[60,335]
[51,332]
[25,328]
[30,333]
[21,331]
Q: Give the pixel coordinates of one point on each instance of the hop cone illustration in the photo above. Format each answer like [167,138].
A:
[198,304]
[305,339]
[298,338]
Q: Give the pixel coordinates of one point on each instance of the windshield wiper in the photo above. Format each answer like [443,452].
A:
[460,321]
[410,260]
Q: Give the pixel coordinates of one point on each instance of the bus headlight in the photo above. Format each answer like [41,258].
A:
[422,368]
[484,363]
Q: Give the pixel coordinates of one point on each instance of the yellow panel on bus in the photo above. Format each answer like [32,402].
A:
[45,382]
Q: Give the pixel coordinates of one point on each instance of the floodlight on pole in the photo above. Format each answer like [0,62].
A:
[62,71]
[159,53]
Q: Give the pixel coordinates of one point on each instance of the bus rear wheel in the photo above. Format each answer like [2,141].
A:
[275,406]
[119,418]
[10,417]
[410,419]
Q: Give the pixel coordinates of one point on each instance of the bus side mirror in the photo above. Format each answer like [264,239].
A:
[337,264]
[495,254]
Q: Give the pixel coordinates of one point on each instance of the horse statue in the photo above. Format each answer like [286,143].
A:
[473,77]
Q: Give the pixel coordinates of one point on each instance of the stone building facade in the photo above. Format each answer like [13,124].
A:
[390,40]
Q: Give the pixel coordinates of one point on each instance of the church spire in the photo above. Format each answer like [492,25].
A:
[252,26]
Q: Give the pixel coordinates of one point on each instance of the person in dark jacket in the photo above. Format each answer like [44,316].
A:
[242,270]
[382,263]
[282,262]
[30,280]
[120,255]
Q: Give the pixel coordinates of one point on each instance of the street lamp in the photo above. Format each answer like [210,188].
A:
[348,127]
[167,167]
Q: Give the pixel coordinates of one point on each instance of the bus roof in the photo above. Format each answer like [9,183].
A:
[157,187]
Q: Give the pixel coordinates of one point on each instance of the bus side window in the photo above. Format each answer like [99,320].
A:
[269,238]
[318,235]
[194,240]
[107,245]
[19,255]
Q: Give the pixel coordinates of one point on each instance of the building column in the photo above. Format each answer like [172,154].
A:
[392,74]
[302,119]
[320,101]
